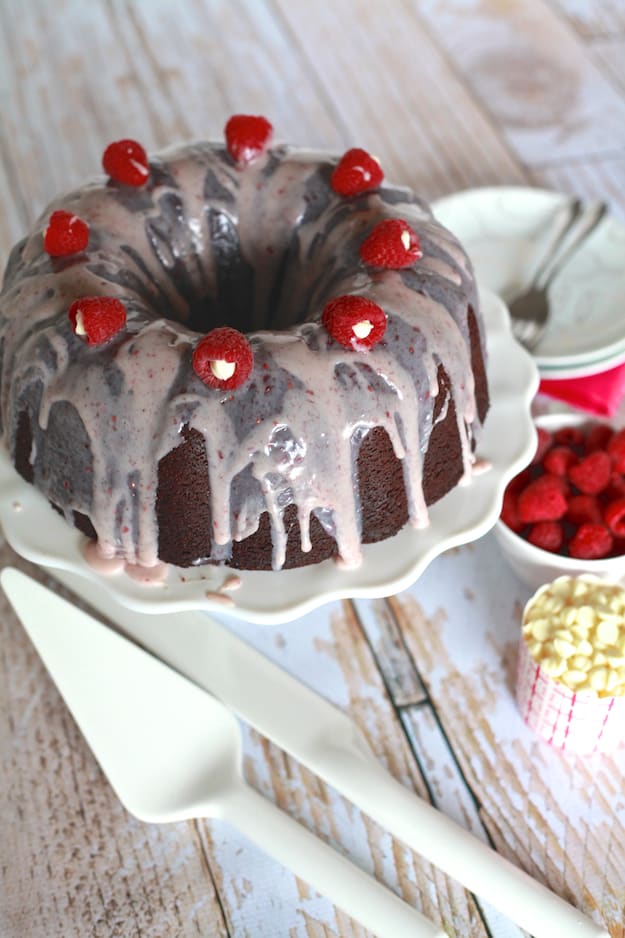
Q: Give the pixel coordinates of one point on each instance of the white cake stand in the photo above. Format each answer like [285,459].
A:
[40,535]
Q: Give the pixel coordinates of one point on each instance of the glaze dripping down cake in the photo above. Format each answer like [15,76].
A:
[242,354]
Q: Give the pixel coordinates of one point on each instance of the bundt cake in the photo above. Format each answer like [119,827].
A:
[241,354]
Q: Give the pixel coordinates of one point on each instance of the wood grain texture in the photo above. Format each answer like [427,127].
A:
[449,94]
[545,811]
[399,95]
[532,74]
[593,18]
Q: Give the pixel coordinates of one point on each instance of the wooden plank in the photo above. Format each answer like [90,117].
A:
[592,18]
[397,668]
[611,53]
[186,59]
[561,819]
[165,66]
[534,76]
[339,663]
[399,97]
[72,861]
[593,180]
[450,793]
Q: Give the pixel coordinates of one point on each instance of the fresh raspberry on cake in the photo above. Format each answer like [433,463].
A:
[223,359]
[591,542]
[392,245]
[592,474]
[547,535]
[97,319]
[357,171]
[247,136]
[542,500]
[126,161]
[66,234]
[354,321]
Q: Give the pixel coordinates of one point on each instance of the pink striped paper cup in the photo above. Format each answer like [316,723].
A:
[577,721]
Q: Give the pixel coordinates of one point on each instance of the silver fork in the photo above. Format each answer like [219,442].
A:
[530,310]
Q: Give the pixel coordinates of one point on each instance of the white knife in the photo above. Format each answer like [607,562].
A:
[331,745]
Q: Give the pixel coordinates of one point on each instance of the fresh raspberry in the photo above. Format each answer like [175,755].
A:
[354,321]
[614,516]
[126,161]
[66,234]
[615,487]
[520,481]
[558,460]
[582,509]
[544,441]
[97,318]
[598,437]
[247,136]
[590,542]
[616,451]
[392,245]
[547,535]
[569,436]
[357,171]
[509,513]
[223,359]
[542,500]
[592,474]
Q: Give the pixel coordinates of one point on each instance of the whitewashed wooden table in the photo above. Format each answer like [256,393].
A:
[450,94]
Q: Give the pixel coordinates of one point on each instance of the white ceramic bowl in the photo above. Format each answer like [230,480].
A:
[535,566]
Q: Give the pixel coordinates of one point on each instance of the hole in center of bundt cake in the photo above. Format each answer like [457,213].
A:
[250,281]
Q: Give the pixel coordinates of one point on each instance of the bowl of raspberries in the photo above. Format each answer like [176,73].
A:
[565,513]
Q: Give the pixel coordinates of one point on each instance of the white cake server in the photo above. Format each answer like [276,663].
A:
[172,752]
[330,744]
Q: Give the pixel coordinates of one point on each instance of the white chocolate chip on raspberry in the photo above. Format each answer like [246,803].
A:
[79,328]
[223,369]
[362,329]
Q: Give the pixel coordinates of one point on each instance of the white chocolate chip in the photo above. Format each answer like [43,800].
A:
[362,329]
[563,648]
[405,240]
[584,647]
[223,369]
[79,328]
[586,616]
[574,677]
[540,629]
[607,630]
[598,678]
[553,666]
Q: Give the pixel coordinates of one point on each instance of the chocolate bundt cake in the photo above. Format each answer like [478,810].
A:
[242,354]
